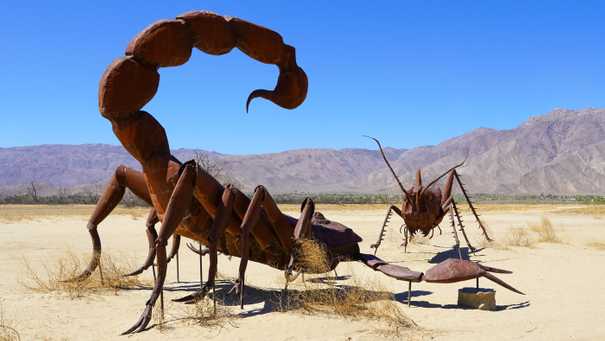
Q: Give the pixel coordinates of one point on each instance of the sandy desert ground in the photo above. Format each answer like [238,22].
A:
[563,280]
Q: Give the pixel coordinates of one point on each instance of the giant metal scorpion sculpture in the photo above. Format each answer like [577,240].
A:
[424,207]
[195,205]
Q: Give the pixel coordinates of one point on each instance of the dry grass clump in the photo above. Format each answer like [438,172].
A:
[312,256]
[55,278]
[542,232]
[546,232]
[353,302]
[597,245]
[359,301]
[518,236]
[203,314]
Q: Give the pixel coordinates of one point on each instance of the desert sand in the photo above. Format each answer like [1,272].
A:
[562,280]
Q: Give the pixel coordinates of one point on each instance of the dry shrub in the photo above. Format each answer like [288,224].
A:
[518,237]
[359,301]
[312,256]
[56,277]
[8,332]
[202,314]
[597,245]
[546,232]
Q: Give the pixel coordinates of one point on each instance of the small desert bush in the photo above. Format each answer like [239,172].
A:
[8,332]
[203,314]
[312,256]
[518,236]
[58,277]
[546,232]
[359,301]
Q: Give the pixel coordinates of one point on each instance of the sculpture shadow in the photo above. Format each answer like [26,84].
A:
[465,252]
[499,307]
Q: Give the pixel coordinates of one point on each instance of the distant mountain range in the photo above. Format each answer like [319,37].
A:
[561,152]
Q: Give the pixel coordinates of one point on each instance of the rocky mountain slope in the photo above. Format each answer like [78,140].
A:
[561,152]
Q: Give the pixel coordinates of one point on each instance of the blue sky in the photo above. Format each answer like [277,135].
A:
[409,72]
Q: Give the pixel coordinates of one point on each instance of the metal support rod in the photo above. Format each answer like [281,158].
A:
[409,294]
[178,268]
[201,267]
[162,304]
[477,282]
[214,297]
[101,272]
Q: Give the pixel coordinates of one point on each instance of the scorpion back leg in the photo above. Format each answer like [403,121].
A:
[152,235]
[222,219]
[262,201]
[123,178]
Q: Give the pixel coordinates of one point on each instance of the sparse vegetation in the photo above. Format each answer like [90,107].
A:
[56,278]
[518,236]
[202,314]
[546,232]
[357,301]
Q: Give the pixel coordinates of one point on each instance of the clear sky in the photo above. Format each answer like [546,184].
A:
[409,72]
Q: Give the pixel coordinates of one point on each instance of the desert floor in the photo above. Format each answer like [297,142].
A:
[562,280]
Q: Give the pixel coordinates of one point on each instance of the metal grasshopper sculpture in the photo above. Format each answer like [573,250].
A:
[425,206]
[193,204]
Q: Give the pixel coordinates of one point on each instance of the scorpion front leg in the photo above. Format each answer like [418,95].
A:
[222,219]
[177,208]
[262,201]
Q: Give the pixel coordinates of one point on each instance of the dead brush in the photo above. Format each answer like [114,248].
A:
[546,232]
[203,314]
[518,236]
[312,256]
[58,277]
[356,302]
[8,332]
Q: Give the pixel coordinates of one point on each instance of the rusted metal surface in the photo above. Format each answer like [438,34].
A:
[191,203]
[424,207]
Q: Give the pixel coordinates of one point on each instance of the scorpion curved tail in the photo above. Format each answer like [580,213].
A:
[132,81]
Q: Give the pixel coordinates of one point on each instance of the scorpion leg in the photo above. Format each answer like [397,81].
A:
[123,178]
[261,201]
[222,219]
[152,235]
[177,208]
[174,252]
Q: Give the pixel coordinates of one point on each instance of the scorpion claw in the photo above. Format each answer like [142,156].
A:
[457,270]
[142,322]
